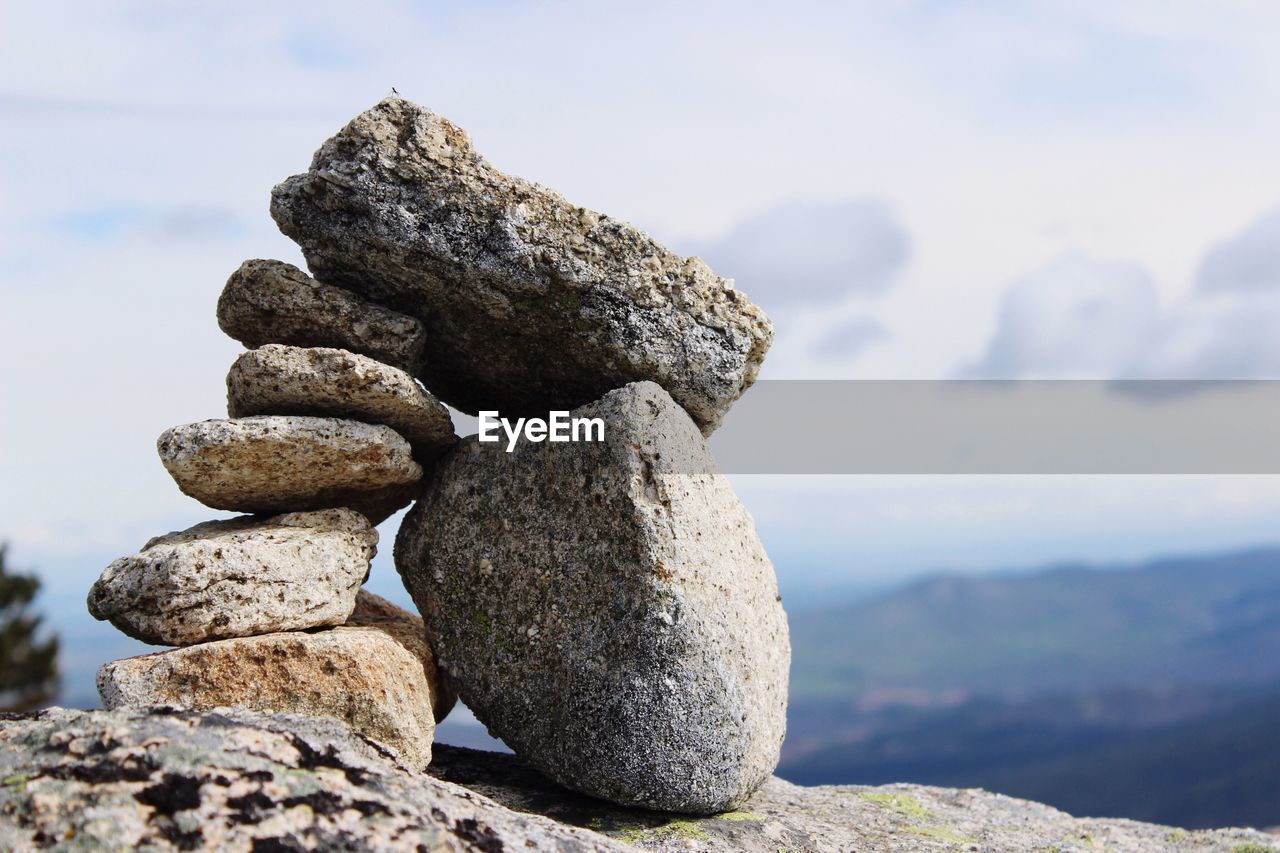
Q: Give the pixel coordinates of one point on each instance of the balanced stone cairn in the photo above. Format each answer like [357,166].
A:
[605,607]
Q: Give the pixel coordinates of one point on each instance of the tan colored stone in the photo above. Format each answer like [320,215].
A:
[284,380]
[363,676]
[408,629]
[291,463]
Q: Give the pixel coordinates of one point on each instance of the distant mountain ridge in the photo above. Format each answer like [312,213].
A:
[1194,620]
[1150,692]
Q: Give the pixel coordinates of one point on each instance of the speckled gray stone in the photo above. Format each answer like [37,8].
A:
[283,380]
[290,463]
[240,781]
[239,577]
[271,302]
[607,608]
[530,302]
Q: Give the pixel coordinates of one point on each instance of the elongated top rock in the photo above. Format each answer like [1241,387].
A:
[530,302]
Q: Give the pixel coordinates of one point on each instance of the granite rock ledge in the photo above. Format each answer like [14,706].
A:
[166,780]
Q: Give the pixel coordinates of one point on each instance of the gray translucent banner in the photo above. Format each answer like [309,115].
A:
[1002,427]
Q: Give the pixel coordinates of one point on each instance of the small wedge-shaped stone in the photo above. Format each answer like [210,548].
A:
[290,463]
[530,302]
[606,608]
[284,380]
[408,629]
[363,676]
[271,302]
[238,578]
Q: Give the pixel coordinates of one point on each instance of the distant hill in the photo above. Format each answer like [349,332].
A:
[1151,692]
[1201,620]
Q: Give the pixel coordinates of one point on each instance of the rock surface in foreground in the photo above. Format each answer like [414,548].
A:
[271,302]
[606,608]
[235,779]
[362,676]
[334,383]
[885,819]
[291,463]
[238,578]
[530,303]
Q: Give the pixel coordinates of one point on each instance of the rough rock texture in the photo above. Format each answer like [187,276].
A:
[238,578]
[234,780]
[530,302]
[283,380]
[271,302]
[407,629]
[363,676]
[291,463]
[606,608]
[782,816]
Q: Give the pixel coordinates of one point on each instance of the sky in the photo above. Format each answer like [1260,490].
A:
[924,189]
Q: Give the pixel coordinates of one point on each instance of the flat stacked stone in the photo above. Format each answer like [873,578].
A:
[285,380]
[281,463]
[271,302]
[238,578]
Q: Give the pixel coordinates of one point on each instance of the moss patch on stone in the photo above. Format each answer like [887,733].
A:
[941,833]
[679,828]
[903,804]
[17,782]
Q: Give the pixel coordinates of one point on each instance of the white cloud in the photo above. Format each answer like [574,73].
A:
[1076,318]
[1079,318]
[1248,262]
[849,339]
[803,253]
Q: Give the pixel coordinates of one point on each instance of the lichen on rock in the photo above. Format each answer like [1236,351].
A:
[172,780]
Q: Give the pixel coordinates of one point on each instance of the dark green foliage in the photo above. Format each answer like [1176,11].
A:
[28,664]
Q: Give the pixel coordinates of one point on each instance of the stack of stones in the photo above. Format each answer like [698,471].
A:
[604,607]
[326,436]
